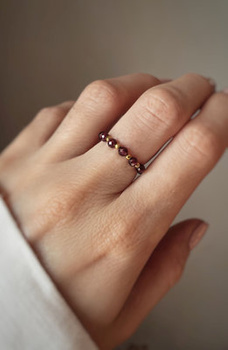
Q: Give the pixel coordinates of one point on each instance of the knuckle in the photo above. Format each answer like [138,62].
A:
[43,112]
[101,91]
[163,107]
[54,111]
[219,100]
[8,158]
[195,76]
[145,76]
[171,97]
[201,143]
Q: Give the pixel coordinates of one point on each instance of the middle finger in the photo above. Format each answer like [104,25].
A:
[153,119]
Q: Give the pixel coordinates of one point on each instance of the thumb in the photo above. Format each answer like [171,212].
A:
[162,271]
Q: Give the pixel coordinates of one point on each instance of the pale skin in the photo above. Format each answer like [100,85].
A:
[103,237]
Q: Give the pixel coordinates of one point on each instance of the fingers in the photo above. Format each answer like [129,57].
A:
[159,114]
[170,180]
[99,106]
[162,271]
[36,133]
[154,118]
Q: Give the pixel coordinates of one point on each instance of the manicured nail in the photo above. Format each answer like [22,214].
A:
[198,234]
[225,91]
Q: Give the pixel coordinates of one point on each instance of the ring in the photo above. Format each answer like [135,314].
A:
[123,151]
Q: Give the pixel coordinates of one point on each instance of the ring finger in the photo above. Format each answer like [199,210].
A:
[99,106]
[153,119]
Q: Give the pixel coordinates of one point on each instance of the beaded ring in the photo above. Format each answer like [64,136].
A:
[123,151]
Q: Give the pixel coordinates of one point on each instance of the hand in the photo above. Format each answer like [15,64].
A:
[104,237]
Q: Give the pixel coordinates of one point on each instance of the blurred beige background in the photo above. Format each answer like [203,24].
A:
[51,49]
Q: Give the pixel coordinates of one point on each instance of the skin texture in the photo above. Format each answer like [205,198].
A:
[103,236]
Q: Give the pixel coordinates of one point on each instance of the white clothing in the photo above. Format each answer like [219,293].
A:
[33,314]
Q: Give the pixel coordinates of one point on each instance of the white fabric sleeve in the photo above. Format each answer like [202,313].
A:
[33,314]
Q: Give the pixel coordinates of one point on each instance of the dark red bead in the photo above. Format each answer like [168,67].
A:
[123,151]
[112,143]
[103,135]
[141,169]
[132,161]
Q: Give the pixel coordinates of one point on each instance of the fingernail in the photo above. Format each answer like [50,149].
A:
[198,234]
[212,82]
[225,91]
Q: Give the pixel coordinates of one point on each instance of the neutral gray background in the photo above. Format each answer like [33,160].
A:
[51,49]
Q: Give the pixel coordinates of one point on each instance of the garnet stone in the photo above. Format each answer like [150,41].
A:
[132,161]
[103,135]
[112,143]
[123,151]
[140,169]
